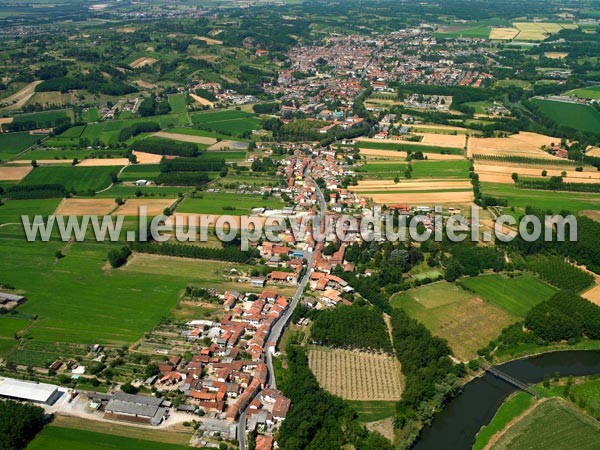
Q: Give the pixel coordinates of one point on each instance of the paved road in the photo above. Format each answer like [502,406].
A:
[281,324]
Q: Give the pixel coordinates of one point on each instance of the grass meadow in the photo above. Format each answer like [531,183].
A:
[58,438]
[545,200]
[579,117]
[515,295]
[79,179]
[12,144]
[407,146]
[552,425]
[448,311]
[226,203]
[12,210]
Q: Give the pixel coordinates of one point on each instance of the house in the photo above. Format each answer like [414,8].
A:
[283,277]
[258,281]
[136,408]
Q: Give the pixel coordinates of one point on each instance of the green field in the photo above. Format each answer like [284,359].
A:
[123,191]
[545,200]
[44,119]
[140,172]
[407,146]
[578,117]
[592,93]
[91,115]
[177,103]
[371,411]
[552,425]
[197,132]
[440,169]
[382,171]
[67,154]
[12,210]
[13,143]
[587,394]
[78,300]
[516,295]
[57,438]
[229,122]
[510,409]
[226,203]
[480,107]
[8,327]
[79,179]
[455,314]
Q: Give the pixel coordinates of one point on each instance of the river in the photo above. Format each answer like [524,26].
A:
[456,426]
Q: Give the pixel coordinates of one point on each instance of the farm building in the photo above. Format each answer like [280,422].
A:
[11,298]
[29,391]
[137,408]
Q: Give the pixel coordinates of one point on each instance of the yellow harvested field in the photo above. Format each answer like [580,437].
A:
[209,41]
[496,173]
[18,99]
[392,154]
[520,144]
[85,206]
[101,162]
[14,173]
[556,55]
[141,62]
[355,375]
[125,30]
[422,198]
[449,128]
[202,100]
[503,34]
[410,185]
[154,206]
[147,158]
[538,31]
[186,138]
[594,151]
[593,294]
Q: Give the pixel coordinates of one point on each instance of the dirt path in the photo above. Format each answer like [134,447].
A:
[512,423]
[388,324]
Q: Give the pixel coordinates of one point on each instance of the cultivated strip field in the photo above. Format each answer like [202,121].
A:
[102,162]
[355,375]
[19,99]
[84,206]
[503,173]
[503,33]
[423,198]
[147,158]
[410,185]
[521,144]
[202,100]
[186,138]
[14,173]
[154,206]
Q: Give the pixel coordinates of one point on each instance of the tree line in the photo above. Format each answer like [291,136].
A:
[229,253]
[166,147]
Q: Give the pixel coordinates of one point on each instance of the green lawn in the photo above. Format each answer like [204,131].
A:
[516,295]
[91,115]
[57,438]
[177,103]
[480,107]
[553,425]
[545,200]
[454,314]
[510,409]
[579,117]
[371,411]
[8,327]
[80,179]
[67,154]
[13,143]
[226,203]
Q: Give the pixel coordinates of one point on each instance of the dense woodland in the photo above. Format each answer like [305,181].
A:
[19,424]
[360,327]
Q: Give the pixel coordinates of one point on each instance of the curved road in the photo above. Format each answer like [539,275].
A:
[281,323]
